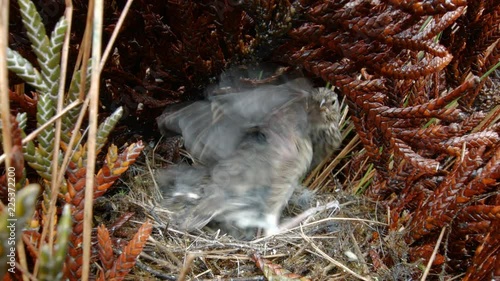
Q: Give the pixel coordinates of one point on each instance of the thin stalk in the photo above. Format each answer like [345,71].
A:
[56,184]
[92,136]
[4,84]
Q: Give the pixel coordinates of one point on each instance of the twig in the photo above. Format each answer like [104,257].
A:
[4,82]
[166,251]
[22,257]
[5,103]
[359,254]
[111,42]
[33,134]
[488,120]
[92,138]
[156,273]
[55,186]
[294,222]
[25,272]
[341,155]
[320,222]
[161,262]
[187,265]
[433,256]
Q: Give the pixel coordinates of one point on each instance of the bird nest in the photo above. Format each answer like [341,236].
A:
[336,243]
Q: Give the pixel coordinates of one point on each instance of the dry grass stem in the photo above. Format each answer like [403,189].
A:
[91,140]
[433,256]
[330,259]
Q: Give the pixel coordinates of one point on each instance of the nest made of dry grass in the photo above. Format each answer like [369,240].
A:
[341,243]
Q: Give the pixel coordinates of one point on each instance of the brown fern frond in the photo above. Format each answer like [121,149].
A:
[483,36]
[308,32]
[487,139]
[115,165]
[479,213]
[434,132]
[76,193]
[427,7]
[438,25]
[411,198]
[396,77]
[105,248]
[438,210]
[427,166]
[424,252]
[24,101]
[488,35]
[487,256]
[421,111]
[473,43]
[124,263]
[419,45]
[120,221]
[455,93]
[487,177]
[367,137]
[469,229]
[491,59]
[471,122]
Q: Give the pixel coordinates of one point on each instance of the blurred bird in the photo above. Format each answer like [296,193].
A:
[250,147]
[212,129]
[324,121]
[250,187]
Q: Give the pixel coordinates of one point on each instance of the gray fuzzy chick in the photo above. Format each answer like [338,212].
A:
[251,148]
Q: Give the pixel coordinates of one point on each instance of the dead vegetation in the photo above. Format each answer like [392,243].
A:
[416,181]
[335,244]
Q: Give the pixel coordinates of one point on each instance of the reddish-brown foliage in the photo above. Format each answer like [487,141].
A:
[401,65]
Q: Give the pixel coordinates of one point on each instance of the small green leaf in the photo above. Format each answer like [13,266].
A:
[51,262]
[17,213]
[107,126]
[25,70]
